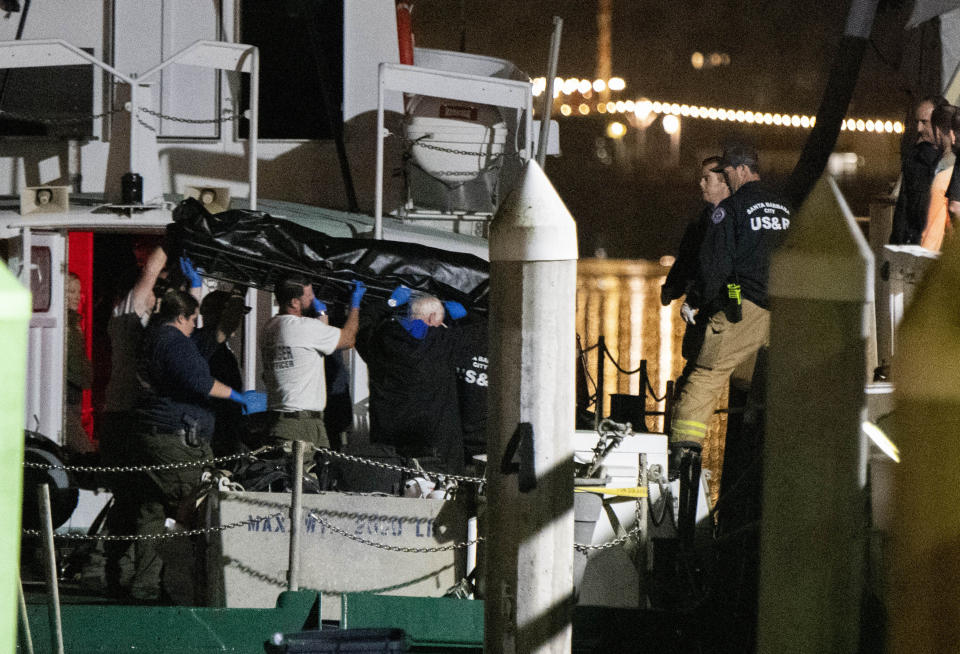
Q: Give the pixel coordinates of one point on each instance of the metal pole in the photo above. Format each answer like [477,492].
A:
[254,134]
[601,356]
[548,91]
[24,620]
[378,182]
[50,567]
[296,516]
[134,141]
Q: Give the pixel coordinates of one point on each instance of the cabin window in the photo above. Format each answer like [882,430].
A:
[40,279]
[54,101]
[301,66]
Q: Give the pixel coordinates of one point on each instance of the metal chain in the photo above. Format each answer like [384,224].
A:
[395,548]
[633,533]
[429,146]
[227,116]
[133,537]
[161,466]
[58,119]
[399,468]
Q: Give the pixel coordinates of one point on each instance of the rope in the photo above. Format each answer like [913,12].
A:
[646,378]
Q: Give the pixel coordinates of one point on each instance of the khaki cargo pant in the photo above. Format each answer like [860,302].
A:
[727,348]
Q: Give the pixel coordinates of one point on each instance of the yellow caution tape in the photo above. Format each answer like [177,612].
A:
[623,492]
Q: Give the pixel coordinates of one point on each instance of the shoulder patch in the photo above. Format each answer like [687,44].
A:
[718,215]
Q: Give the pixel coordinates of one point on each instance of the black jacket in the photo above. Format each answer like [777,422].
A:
[910,214]
[413,385]
[681,279]
[744,230]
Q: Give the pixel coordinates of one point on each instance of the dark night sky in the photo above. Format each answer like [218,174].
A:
[780,56]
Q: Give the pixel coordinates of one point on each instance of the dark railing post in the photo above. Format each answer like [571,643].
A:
[601,356]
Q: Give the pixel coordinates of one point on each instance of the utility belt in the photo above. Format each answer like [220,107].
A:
[189,434]
[297,415]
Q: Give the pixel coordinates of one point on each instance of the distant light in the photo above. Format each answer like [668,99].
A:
[671,124]
[715,59]
[565,109]
[684,110]
[869,125]
[795,120]
[805,121]
[696,60]
[777,119]
[851,124]
[583,86]
[767,119]
[898,127]
[674,108]
[695,112]
[722,114]
[599,85]
[748,116]
[570,85]
[616,130]
[667,260]
[739,115]
[813,121]
[878,127]
[628,106]
[601,107]
[712,113]
[616,84]
[611,107]
[861,125]
[584,109]
[557,89]
[888,127]
[725,59]
[621,107]
[657,107]
[881,440]
[642,109]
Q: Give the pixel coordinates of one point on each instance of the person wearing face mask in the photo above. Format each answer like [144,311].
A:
[293,346]
[79,371]
[682,278]
[173,424]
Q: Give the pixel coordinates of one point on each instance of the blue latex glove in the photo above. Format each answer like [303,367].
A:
[186,267]
[359,288]
[319,307]
[416,328]
[455,310]
[399,297]
[239,399]
[255,402]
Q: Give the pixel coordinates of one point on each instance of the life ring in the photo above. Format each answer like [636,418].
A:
[405,31]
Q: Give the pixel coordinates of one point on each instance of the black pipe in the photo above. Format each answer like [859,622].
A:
[836,99]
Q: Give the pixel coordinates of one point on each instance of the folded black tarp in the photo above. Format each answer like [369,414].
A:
[255,249]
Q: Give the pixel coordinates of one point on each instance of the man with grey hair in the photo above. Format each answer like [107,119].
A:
[413,381]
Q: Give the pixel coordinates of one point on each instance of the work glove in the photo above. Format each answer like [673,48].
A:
[319,306]
[236,396]
[688,314]
[359,288]
[254,402]
[186,267]
[399,297]
[454,309]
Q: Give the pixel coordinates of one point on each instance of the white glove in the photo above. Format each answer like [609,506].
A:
[688,314]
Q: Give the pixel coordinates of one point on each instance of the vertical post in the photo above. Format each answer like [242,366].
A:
[254,135]
[925,427]
[533,253]
[296,516]
[24,619]
[643,394]
[601,364]
[50,568]
[14,321]
[548,91]
[813,453]
[134,129]
[378,172]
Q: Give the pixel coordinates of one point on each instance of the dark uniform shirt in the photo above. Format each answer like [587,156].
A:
[225,368]
[175,383]
[744,230]
[910,214]
[681,279]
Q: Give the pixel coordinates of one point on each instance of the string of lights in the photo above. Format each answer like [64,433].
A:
[645,111]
